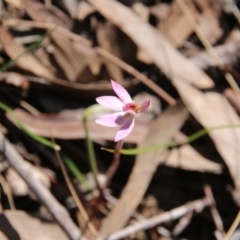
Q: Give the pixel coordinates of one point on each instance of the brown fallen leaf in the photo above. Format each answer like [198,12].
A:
[175,26]
[161,130]
[90,57]
[86,91]
[168,59]
[47,13]
[84,9]
[15,3]
[27,61]
[70,126]
[64,53]
[209,20]
[15,79]
[19,186]
[233,99]
[177,29]
[212,109]
[47,26]
[71,64]
[187,158]
[228,52]
[141,10]
[107,39]
[71,7]
[160,10]
[19,225]
[44,57]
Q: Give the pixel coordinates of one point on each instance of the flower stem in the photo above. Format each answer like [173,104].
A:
[112,169]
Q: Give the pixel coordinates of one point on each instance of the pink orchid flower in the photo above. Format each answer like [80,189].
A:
[127,110]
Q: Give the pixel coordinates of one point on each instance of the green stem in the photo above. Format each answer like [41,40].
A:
[19,124]
[171,144]
[91,153]
[33,46]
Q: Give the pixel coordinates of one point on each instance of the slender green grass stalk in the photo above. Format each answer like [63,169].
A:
[89,145]
[33,46]
[4,107]
[19,124]
[171,144]
[77,173]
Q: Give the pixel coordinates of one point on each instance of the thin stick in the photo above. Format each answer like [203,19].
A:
[74,195]
[116,160]
[131,70]
[7,191]
[24,170]
[233,227]
[197,205]
[215,214]
[182,224]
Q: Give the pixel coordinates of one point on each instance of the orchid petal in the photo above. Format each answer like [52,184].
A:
[110,120]
[126,129]
[121,92]
[144,105]
[111,102]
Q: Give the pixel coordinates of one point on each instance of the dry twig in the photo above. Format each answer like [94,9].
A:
[215,214]
[197,206]
[7,191]
[233,227]
[24,170]
[75,196]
